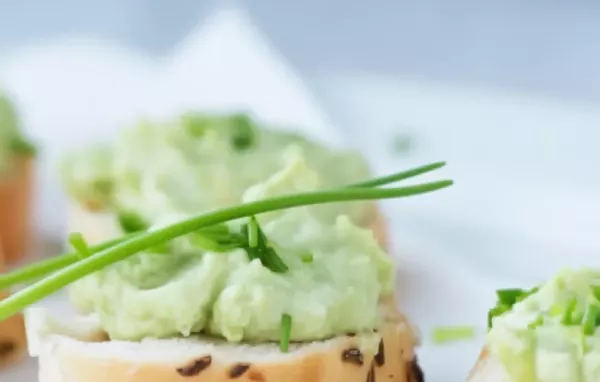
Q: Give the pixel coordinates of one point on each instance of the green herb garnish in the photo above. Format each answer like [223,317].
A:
[307,258]
[567,314]
[498,310]
[131,222]
[253,232]
[446,334]
[217,238]
[64,270]
[382,181]
[590,318]
[258,247]
[43,268]
[286,332]
[78,243]
[537,322]
[506,299]
[243,134]
[509,296]
[596,292]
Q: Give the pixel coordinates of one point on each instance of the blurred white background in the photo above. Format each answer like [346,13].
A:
[506,91]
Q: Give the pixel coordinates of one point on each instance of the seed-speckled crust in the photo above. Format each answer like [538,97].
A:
[65,359]
[488,369]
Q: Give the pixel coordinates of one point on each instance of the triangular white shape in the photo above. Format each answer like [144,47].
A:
[227,64]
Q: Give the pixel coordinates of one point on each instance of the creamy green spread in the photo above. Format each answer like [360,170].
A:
[550,333]
[197,163]
[336,275]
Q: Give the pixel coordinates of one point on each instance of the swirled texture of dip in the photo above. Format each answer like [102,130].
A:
[197,163]
[189,290]
[550,334]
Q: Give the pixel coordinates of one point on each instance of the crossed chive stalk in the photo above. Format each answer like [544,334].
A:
[48,276]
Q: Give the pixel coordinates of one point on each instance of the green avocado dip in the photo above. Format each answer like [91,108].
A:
[335,272]
[199,162]
[550,333]
[12,141]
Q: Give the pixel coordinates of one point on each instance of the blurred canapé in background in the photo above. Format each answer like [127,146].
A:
[508,92]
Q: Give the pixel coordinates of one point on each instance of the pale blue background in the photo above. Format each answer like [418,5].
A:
[538,46]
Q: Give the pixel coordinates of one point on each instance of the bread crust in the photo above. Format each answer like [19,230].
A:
[488,369]
[15,207]
[341,359]
[13,342]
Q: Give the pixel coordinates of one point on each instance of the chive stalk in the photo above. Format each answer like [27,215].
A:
[78,243]
[567,314]
[43,268]
[128,221]
[253,232]
[286,332]
[66,270]
[589,319]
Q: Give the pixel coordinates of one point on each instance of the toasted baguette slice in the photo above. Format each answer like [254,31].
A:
[488,369]
[78,353]
[386,355]
[98,225]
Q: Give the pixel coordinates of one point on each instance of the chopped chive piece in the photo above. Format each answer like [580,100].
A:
[252,232]
[496,311]
[78,243]
[446,334]
[271,260]
[577,317]
[596,292]
[243,135]
[589,319]
[556,310]
[567,314]
[259,247]
[527,294]
[286,332]
[509,296]
[131,222]
[307,258]
[535,323]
